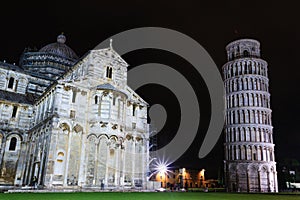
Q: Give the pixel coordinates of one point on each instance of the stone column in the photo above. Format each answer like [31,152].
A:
[123,167]
[67,158]
[106,166]
[133,163]
[117,167]
[96,180]
[82,173]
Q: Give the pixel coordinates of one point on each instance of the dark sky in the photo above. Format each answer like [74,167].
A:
[213,24]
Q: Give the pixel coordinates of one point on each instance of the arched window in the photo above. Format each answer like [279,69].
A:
[108,72]
[96,99]
[246,53]
[11,83]
[12,144]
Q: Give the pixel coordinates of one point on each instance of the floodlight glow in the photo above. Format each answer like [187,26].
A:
[162,168]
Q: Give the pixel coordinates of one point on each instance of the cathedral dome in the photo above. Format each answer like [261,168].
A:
[60,48]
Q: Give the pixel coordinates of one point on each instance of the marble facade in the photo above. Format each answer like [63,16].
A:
[71,122]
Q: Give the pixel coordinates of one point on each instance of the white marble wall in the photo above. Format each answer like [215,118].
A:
[94,135]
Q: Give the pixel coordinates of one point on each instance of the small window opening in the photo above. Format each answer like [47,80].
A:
[109,72]
[133,110]
[114,101]
[13,144]
[74,96]
[96,99]
[254,156]
[246,53]
[11,83]
[16,87]
[14,113]
[72,114]
[133,126]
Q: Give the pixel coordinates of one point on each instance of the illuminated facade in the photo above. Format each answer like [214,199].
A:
[71,121]
[183,178]
[249,149]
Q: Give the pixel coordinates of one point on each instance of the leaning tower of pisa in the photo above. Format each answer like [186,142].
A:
[249,150]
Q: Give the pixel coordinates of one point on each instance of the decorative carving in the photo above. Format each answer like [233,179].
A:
[115,126]
[64,127]
[67,87]
[129,137]
[103,124]
[78,128]
[105,93]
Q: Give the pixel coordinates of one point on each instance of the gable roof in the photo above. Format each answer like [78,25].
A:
[107,52]
[106,86]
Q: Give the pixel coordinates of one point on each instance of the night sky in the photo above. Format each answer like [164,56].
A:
[86,24]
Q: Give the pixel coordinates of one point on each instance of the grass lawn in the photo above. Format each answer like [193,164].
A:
[146,196]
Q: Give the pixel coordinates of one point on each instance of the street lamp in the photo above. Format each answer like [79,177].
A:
[162,168]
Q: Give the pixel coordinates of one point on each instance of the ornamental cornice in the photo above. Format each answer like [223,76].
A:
[251,144]
[247,76]
[249,108]
[249,91]
[249,126]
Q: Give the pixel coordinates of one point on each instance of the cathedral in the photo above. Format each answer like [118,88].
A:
[69,121]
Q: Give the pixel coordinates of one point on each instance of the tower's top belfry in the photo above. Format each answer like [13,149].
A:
[243,48]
